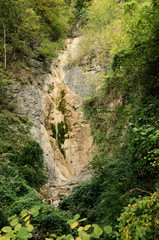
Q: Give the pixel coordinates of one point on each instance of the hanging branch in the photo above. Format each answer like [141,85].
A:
[140,190]
[50,200]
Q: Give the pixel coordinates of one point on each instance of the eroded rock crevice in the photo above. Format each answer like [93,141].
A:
[58,123]
[68,131]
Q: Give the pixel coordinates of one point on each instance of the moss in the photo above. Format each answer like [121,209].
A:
[51,87]
[62,134]
[62,102]
[21,161]
[53,131]
[13,132]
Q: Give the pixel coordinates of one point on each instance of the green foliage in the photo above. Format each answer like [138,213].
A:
[80,231]
[32,28]
[21,164]
[13,134]
[48,50]
[46,220]
[130,7]
[84,232]
[77,12]
[62,102]
[53,16]
[138,43]
[60,133]
[4,87]
[143,135]
[101,14]
[101,30]
[20,151]
[140,220]
[20,228]
[123,113]
[81,4]
[31,155]
[51,221]
[21,25]
[147,144]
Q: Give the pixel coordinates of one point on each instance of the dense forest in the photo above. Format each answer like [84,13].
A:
[121,201]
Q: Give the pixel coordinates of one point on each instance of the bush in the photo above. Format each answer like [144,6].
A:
[31,155]
[140,219]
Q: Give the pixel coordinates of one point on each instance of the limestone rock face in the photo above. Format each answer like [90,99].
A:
[69,132]
[58,123]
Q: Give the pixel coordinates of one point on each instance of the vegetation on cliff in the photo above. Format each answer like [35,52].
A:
[30,34]
[122,38]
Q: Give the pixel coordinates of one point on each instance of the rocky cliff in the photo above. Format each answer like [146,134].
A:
[58,122]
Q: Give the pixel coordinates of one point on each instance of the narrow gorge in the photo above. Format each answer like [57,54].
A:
[58,122]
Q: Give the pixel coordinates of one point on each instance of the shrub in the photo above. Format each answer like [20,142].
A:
[140,220]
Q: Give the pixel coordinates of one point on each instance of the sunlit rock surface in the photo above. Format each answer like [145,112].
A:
[58,123]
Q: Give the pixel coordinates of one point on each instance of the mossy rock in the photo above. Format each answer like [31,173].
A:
[62,134]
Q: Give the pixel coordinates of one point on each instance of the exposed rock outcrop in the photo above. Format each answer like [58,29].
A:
[58,123]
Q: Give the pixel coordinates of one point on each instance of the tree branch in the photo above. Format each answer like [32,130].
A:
[140,190]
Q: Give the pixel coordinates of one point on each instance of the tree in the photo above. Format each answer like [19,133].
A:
[20,28]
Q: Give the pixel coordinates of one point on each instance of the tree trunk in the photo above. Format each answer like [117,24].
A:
[5,48]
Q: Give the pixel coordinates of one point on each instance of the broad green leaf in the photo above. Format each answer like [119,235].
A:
[22,232]
[108,229]
[36,208]
[68,237]
[77,216]
[6,229]
[17,227]
[24,212]
[29,235]
[78,238]
[84,235]
[93,235]
[27,223]
[157,221]
[70,221]
[14,222]
[74,225]
[98,230]
[35,211]
[2,238]
[87,227]
[35,214]
[94,225]
[27,218]
[83,219]
[80,229]
[30,228]
[12,217]
[54,235]
[60,238]
[24,215]
[85,238]
[63,236]
[10,234]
